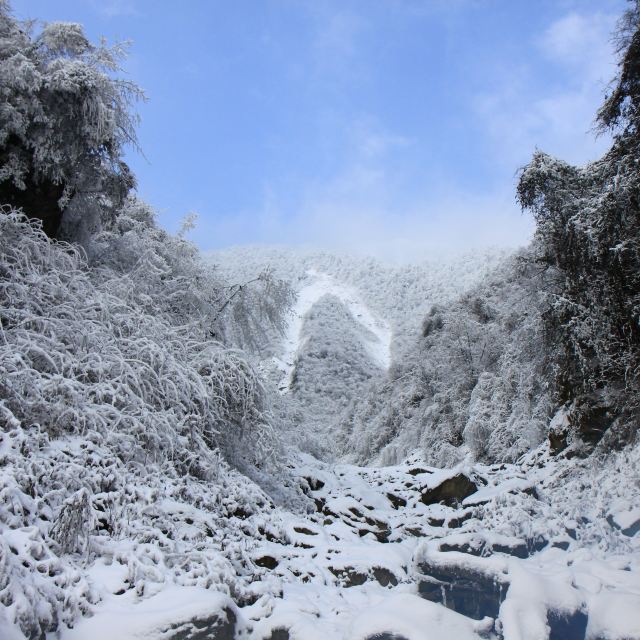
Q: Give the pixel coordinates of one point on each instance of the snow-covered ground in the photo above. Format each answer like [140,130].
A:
[379,555]
[360,565]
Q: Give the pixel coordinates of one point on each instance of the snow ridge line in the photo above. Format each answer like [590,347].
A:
[319,285]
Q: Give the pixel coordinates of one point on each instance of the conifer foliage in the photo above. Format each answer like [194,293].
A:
[588,237]
[64,121]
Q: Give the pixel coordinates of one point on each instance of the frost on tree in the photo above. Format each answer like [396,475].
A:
[64,121]
[588,241]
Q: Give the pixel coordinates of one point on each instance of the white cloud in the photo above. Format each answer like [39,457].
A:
[357,212]
[116,8]
[370,141]
[335,46]
[359,209]
[448,226]
[583,43]
[560,121]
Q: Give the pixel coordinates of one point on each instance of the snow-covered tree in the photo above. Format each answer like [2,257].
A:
[588,239]
[65,118]
[474,382]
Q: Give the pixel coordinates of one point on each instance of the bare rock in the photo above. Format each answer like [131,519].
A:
[451,491]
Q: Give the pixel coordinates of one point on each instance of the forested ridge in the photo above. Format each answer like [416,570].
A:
[277,443]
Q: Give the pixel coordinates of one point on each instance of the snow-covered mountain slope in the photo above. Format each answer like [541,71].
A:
[475,381]
[399,295]
[352,320]
[375,332]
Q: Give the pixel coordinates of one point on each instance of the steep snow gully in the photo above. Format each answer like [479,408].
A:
[315,286]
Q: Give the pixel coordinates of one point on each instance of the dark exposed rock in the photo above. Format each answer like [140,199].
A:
[591,418]
[563,626]
[456,523]
[373,522]
[396,501]
[451,491]
[384,577]
[536,544]
[268,562]
[475,547]
[241,513]
[304,531]
[630,531]
[558,441]
[522,549]
[478,546]
[327,512]
[356,513]
[268,535]
[315,484]
[219,626]
[435,522]
[382,535]
[466,591]
[417,471]
[279,634]
[518,550]
[379,528]
[349,576]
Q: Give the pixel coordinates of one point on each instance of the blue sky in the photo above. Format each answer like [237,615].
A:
[386,127]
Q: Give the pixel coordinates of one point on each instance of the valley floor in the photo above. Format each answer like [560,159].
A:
[543,549]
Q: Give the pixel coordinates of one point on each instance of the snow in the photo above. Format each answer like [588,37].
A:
[351,568]
[316,286]
[125,618]
[315,604]
[627,517]
[341,555]
[487,493]
[415,618]
[614,616]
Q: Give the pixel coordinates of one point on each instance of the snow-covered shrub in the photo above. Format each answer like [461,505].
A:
[166,274]
[83,350]
[116,404]
[74,522]
[150,527]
